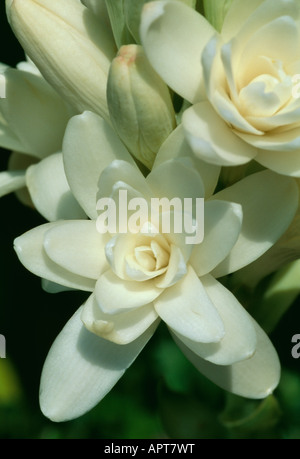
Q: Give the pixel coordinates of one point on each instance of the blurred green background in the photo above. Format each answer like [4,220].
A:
[160,396]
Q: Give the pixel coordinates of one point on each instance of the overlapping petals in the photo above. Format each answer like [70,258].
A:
[240,80]
[138,278]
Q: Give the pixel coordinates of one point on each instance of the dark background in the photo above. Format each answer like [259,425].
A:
[161,395]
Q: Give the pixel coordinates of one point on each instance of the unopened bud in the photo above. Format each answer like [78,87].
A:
[70,47]
[139,104]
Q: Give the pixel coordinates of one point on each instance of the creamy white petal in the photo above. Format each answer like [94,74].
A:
[35,113]
[187,309]
[237,15]
[245,18]
[269,202]
[9,140]
[122,245]
[89,146]
[212,139]
[31,253]
[222,225]
[123,172]
[173,36]
[116,295]
[81,368]
[11,181]
[50,191]
[239,341]
[78,247]
[255,377]
[176,179]
[288,140]
[176,269]
[176,146]
[121,328]
[283,162]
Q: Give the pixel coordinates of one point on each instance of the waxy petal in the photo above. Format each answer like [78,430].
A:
[120,328]
[78,247]
[50,191]
[173,36]
[212,139]
[176,146]
[187,309]
[222,226]
[269,202]
[255,377]
[283,162]
[115,295]
[31,253]
[11,181]
[239,341]
[81,368]
[89,146]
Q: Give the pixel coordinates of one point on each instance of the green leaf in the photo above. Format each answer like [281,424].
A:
[10,390]
[215,11]
[121,33]
[246,418]
[278,296]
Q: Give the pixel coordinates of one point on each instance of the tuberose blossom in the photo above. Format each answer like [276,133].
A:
[136,280]
[240,81]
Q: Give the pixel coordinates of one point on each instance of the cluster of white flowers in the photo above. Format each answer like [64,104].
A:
[94,111]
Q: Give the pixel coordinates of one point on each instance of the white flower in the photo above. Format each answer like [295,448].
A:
[137,279]
[240,81]
[33,118]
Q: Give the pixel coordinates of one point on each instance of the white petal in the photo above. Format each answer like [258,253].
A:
[31,253]
[176,179]
[222,225]
[89,146]
[50,191]
[122,245]
[35,113]
[8,139]
[176,269]
[278,140]
[269,202]
[174,36]
[283,162]
[116,295]
[77,247]
[256,377]
[122,328]
[239,341]
[11,181]
[176,146]
[187,310]
[212,139]
[237,16]
[123,172]
[81,368]
[247,17]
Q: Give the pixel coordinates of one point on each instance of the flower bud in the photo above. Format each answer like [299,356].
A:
[70,47]
[215,11]
[139,104]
